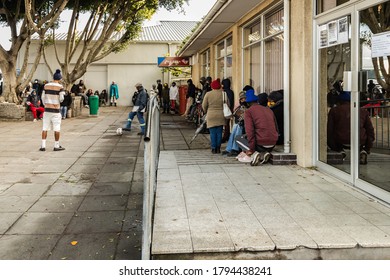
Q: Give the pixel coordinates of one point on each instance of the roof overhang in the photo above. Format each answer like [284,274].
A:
[223,15]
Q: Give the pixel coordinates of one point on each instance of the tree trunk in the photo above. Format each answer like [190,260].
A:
[10,82]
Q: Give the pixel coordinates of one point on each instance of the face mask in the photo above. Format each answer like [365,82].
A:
[271,103]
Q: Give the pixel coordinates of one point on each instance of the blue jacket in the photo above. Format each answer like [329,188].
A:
[141,99]
[114,91]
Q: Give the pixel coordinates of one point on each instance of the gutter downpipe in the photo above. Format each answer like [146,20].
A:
[205,22]
[286,77]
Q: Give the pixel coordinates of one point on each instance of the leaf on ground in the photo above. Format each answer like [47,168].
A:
[74,243]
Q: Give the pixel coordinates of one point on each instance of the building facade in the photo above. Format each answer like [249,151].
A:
[138,63]
[304,47]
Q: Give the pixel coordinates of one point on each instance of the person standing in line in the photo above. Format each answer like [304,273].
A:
[52,96]
[65,104]
[114,93]
[34,103]
[160,89]
[138,109]
[191,92]
[173,94]
[154,91]
[226,87]
[213,107]
[165,98]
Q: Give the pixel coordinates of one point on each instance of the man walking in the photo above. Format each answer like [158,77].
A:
[138,109]
[52,96]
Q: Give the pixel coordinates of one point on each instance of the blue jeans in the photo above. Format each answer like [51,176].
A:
[232,144]
[64,110]
[216,136]
[140,117]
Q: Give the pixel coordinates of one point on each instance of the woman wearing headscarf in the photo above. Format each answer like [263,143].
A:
[213,107]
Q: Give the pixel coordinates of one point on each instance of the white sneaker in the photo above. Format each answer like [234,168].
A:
[265,158]
[256,157]
[245,159]
[240,155]
[34,120]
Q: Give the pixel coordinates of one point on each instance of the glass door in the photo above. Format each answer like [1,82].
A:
[374,90]
[334,93]
[353,95]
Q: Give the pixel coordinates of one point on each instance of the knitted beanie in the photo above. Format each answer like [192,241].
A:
[57,75]
[216,84]
[250,96]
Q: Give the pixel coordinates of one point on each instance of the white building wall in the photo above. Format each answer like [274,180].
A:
[138,63]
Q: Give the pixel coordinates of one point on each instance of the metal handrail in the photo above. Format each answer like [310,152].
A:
[151,157]
[380,119]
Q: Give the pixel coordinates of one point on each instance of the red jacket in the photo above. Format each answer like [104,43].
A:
[260,126]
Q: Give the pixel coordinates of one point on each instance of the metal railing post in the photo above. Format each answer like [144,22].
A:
[151,156]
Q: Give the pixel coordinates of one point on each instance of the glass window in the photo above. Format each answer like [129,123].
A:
[224,59]
[273,51]
[324,5]
[252,33]
[263,54]
[252,66]
[205,63]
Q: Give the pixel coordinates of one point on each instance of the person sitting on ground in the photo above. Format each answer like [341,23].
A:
[232,148]
[34,104]
[65,104]
[103,97]
[261,132]
[275,102]
[80,91]
[339,128]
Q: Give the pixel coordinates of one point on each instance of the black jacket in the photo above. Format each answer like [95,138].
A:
[229,92]
[34,98]
[67,100]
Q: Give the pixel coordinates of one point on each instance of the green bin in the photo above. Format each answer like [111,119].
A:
[93,105]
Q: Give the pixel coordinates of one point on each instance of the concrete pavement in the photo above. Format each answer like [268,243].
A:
[81,203]
[86,202]
[213,207]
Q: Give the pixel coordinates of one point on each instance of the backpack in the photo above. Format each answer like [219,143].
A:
[134,98]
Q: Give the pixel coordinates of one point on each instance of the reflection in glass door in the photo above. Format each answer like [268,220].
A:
[374,142]
[334,62]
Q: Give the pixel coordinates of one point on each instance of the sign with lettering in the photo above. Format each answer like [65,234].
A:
[380,44]
[173,61]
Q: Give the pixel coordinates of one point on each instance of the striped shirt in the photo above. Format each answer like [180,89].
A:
[52,96]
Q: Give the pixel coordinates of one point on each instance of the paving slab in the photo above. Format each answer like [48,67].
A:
[265,211]
[82,193]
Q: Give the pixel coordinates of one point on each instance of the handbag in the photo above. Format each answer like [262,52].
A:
[227,113]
